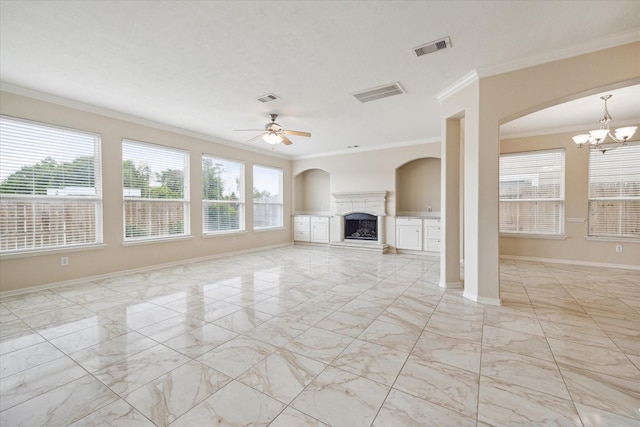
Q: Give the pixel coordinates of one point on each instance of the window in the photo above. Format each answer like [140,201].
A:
[50,189]
[267,198]
[614,192]
[532,193]
[156,194]
[222,195]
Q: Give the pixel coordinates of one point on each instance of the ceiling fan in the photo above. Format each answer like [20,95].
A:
[273,133]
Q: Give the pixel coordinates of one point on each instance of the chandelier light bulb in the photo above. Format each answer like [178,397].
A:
[625,133]
[581,139]
[598,135]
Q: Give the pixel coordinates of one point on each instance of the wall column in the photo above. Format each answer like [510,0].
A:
[480,191]
[481,177]
[450,205]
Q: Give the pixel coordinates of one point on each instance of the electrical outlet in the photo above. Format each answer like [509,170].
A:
[618,248]
[64,261]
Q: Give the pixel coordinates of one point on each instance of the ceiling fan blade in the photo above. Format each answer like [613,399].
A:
[285,140]
[249,130]
[257,136]
[296,132]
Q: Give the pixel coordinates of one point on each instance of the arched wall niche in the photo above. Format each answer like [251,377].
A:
[418,186]
[312,192]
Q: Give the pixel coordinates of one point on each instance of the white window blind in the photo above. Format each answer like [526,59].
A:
[614,192]
[156,196]
[267,197]
[50,188]
[532,192]
[222,195]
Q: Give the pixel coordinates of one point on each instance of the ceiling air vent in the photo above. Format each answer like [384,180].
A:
[379,92]
[268,98]
[434,46]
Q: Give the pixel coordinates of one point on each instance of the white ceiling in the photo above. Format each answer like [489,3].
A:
[201,65]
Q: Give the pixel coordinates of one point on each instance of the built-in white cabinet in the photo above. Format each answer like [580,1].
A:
[431,234]
[409,233]
[301,228]
[418,234]
[308,228]
[320,229]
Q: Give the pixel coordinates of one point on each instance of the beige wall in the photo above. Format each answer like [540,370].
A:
[418,186]
[312,192]
[18,273]
[367,171]
[575,247]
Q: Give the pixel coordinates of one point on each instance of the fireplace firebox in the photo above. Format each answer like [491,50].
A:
[360,226]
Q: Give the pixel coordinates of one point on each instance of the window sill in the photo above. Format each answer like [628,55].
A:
[52,251]
[224,233]
[154,241]
[613,239]
[260,230]
[534,236]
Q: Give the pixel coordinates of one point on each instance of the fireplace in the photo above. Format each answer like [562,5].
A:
[360,226]
[361,220]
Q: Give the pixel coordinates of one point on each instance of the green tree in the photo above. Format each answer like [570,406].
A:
[136,177]
[173,181]
[49,174]
[220,216]
[261,195]
[212,187]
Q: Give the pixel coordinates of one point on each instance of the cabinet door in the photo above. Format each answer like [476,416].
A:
[409,237]
[320,231]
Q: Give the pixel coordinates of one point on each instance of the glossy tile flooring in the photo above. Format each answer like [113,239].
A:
[309,336]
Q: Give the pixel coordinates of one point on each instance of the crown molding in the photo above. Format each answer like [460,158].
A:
[466,80]
[106,112]
[374,148]
[601,43]
[613,40]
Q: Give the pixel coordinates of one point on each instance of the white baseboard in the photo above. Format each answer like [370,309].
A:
[135,270]
[450,285]
[573,262]
[482,300]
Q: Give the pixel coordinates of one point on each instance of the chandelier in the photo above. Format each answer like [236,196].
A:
[597,139]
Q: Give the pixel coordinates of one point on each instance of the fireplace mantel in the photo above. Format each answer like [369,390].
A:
[371,202]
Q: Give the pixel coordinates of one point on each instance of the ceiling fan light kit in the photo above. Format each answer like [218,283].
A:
[274,134]
[596,139]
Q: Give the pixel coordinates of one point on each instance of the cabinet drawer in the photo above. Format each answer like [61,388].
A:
[433,232]
[302,236]
[432,223]
[319,220]
[409,221]
[431,245]
[301,220]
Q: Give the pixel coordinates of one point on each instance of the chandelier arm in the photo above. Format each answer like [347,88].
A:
[619,141]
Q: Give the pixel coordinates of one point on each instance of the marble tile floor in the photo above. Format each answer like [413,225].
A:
[312,336]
